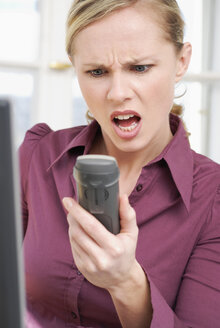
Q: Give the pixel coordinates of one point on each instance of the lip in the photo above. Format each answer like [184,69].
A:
[125,112]
[126,134]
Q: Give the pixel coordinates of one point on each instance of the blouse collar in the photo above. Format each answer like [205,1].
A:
[177,154]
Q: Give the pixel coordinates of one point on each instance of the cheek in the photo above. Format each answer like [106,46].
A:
[92,92]
[161,90]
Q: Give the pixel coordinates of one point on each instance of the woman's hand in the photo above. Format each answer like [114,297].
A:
[106,260]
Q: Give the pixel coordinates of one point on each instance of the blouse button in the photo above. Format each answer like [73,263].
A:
[79,273]
[74,315]
[139,187]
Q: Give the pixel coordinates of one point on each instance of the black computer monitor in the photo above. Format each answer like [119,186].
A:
[11,262]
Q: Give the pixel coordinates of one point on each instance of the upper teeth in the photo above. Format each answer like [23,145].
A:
[124,117]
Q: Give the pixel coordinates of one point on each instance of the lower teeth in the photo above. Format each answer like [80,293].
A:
[128,128]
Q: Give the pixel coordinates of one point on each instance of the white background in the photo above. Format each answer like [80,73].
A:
[32,35]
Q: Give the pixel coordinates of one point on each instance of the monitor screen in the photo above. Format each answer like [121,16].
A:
[11,262]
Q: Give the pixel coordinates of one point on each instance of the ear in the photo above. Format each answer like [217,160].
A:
[183,61]
[71,59]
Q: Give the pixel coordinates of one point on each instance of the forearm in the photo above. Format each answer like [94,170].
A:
[132,300]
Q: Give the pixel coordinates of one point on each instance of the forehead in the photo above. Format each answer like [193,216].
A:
[129,29]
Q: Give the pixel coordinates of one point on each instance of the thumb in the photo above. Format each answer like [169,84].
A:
[127,215]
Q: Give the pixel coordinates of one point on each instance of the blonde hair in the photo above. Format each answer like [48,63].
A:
[168,14]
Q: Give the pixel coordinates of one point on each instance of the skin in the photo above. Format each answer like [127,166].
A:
[123,63]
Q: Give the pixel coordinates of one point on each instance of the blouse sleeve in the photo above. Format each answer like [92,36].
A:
[198,300]
[32,138]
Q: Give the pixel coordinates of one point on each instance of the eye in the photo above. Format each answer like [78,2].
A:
[97,72]
[140,68]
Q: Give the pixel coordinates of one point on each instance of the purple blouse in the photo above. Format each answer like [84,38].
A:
[177,202]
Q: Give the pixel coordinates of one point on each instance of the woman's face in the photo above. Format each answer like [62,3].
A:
[127,71]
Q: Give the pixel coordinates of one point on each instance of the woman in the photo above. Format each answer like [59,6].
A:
[163,268]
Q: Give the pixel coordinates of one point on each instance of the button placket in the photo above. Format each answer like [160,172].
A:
[75,279]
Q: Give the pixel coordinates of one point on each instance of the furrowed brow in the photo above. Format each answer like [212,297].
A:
[133,61]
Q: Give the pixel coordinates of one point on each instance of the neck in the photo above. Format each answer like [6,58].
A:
[135,160]
[131,161]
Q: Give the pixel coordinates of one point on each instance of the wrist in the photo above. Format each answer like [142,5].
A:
[134,280]
[132,299]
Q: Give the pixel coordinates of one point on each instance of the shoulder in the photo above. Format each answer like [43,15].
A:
[205,197]
[42,135]
[206,174]
[44,142]
[42,130]
[34,135]
[207,192]
[204,166]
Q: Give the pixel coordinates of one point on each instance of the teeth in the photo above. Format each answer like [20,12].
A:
[128,128]
[124,117]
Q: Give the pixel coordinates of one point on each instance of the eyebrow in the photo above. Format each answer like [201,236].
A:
[130,62]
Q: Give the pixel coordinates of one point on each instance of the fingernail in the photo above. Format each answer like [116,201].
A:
[68,203]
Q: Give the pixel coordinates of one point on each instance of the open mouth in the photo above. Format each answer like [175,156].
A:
[127,122]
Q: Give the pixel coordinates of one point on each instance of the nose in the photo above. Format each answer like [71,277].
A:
[119,88]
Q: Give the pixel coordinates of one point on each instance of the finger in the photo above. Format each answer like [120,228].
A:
[78,213]
[83,241]
[88,251]
[89,223]
[82,259]
[127,215]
